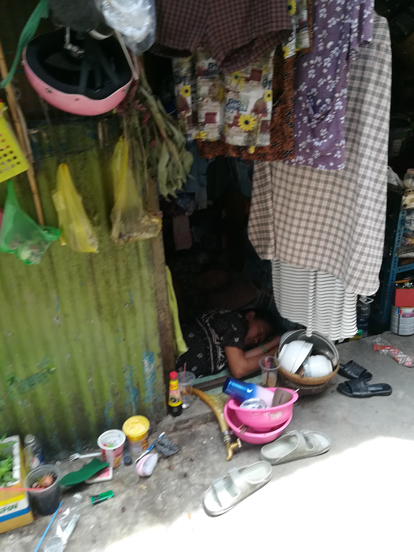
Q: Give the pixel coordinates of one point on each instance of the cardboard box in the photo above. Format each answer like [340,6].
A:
[404,298]
[14,505]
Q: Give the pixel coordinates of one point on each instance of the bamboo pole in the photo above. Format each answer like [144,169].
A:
[21,131]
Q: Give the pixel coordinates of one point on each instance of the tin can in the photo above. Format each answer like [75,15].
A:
[33,453]
[254,404]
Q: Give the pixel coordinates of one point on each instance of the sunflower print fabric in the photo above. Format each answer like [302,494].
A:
[235,108]
[300,38]
[282,93]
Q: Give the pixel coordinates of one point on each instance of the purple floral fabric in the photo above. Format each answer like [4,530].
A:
[340,26]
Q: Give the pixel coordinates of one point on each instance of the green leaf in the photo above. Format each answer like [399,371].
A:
[162,167]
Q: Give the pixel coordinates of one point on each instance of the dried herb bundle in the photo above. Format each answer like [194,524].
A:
[160,145]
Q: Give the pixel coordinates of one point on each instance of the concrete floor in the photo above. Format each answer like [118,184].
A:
[358,496]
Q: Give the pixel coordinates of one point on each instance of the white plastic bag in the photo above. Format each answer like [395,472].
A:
[134,19]
[63,526]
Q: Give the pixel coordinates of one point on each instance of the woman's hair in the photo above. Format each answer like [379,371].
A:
[265,316]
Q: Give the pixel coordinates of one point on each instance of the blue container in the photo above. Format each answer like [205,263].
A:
[242,391]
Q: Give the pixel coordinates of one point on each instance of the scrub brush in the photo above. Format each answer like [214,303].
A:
[165,446]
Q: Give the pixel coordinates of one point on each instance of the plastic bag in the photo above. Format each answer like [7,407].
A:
[130,222]
[21,235]
[134,19]
[77,231]
[393,178]
[63,526]
[386,349]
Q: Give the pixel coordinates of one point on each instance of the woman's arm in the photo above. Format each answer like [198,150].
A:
[240,364]
[271,345]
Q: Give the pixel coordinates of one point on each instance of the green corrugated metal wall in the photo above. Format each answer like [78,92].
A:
[91,316]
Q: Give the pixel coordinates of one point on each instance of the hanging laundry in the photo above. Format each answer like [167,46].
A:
[236,33]
[197,178]
[299,40]
[315,300]
[279,123]
[282,140]
[333,221]
[235,106]
[321,81]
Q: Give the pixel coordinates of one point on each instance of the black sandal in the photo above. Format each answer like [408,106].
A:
[353,371]
[360,389]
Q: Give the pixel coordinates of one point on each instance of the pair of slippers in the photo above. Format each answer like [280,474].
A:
[239,483]
[357,386]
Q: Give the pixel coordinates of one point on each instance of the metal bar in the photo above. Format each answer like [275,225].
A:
[405,268]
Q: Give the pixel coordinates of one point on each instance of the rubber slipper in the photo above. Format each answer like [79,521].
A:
[295,445]
[360,389]
[352,370]
[238,484]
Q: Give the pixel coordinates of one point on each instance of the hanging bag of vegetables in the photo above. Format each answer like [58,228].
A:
[130,221]
[20,235]
[77,231]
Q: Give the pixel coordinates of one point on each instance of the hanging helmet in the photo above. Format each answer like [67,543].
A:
[82,75]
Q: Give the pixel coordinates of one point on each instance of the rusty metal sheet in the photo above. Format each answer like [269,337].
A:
[79,333]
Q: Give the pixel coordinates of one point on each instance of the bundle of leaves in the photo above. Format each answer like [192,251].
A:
[160,154]
[6,463]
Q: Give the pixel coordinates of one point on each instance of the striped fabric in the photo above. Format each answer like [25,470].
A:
[315,300]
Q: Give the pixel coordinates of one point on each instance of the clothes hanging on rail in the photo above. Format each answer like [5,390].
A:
[237,106]
[236,33]
[282,140]
[321,77]
[315,300]
[333,221]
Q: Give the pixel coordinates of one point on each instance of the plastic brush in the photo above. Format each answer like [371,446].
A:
[165,446]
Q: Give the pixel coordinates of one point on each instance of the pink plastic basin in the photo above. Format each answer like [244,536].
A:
[265,419]
[251,436]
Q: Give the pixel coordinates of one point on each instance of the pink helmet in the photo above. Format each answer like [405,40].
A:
[83,76]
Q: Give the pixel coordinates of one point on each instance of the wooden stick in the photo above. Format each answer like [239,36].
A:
[21,131]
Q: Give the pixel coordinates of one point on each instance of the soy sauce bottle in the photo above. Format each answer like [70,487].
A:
[175,403]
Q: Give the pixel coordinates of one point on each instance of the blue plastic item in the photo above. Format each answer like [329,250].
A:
[242,391]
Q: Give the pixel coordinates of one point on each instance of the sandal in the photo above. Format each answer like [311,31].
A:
[352,370]
[238,484]
[360,389]
[295,445]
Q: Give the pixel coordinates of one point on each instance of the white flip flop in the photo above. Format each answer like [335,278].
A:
[239,483]
[295,445]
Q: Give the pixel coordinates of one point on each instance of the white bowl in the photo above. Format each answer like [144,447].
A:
[317,366]
[293,354]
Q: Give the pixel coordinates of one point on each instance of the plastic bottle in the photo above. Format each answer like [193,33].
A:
[363,314]
[33,453]
[242,391]
[175,403]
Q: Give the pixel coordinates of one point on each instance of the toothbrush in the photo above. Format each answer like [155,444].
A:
[150,448]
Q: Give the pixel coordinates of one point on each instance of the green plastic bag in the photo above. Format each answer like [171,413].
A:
[21,235]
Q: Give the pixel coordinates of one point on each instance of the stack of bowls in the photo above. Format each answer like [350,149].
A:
[263,425]
[320,346]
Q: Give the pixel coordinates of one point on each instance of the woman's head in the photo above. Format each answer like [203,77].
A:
[261,326]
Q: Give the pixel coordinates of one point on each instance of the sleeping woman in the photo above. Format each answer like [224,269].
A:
[222,339]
